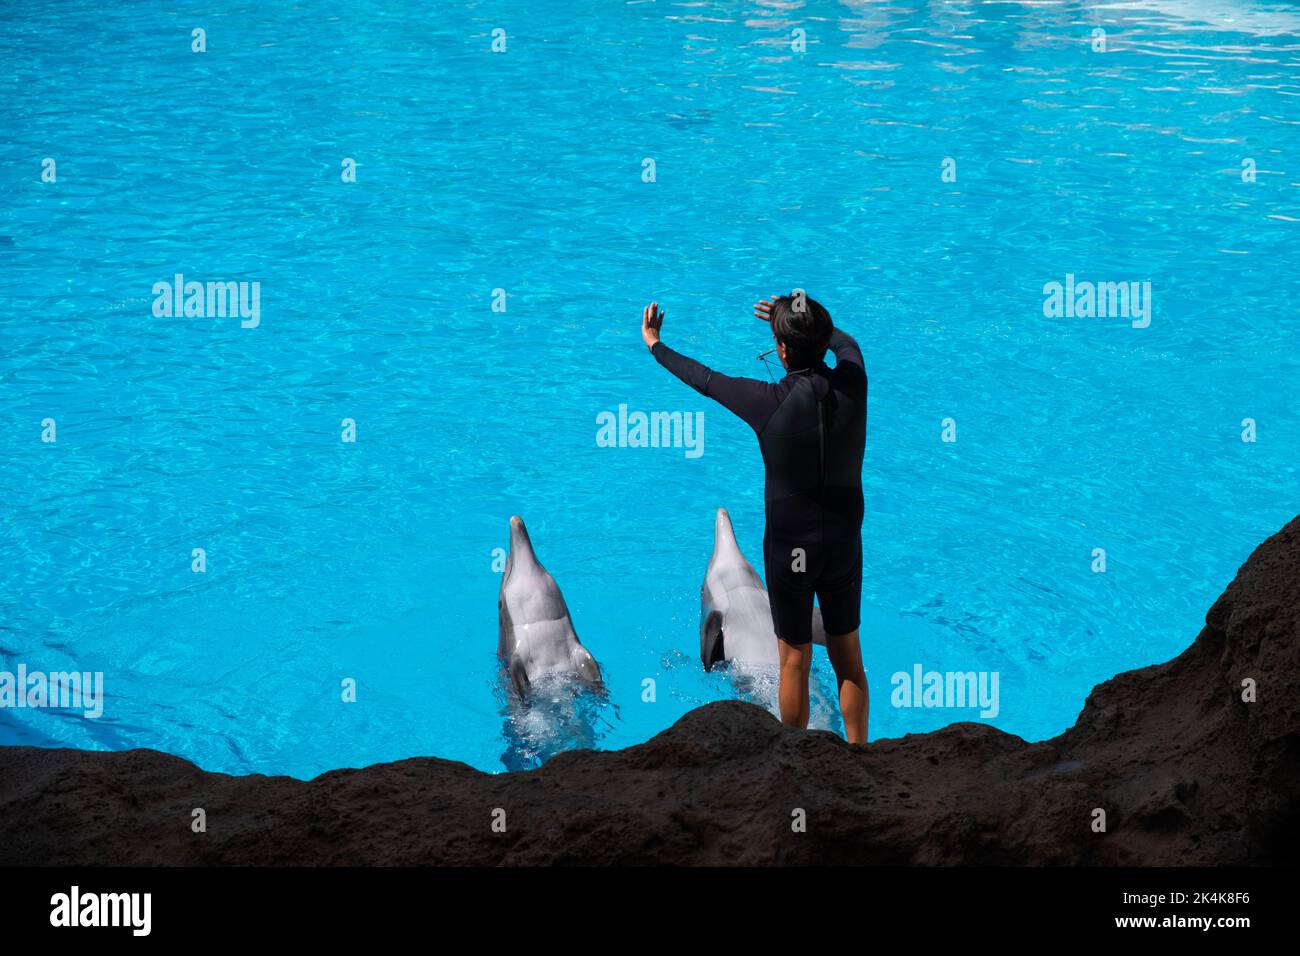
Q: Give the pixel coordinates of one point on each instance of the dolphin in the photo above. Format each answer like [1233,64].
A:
[535,636]
[735,615]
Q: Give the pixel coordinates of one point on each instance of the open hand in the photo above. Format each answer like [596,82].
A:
[652,320]
[763,309]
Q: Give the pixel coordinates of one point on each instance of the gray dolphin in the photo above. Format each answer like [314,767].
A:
[735,615]
[535,636]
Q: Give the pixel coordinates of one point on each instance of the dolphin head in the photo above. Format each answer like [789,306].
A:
[535,633]
[713,596]
[728,565]
[521,548]
[522,568]
[735,617]
[724,536]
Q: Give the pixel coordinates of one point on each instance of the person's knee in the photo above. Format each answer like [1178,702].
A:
[796,658]
[796,666]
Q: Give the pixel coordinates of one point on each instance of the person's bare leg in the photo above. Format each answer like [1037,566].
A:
[796,662]
[846,657]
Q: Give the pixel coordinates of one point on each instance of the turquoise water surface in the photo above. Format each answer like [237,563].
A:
[1173,157]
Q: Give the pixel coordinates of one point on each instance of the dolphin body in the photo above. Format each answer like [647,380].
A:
[735,615]
[535,636]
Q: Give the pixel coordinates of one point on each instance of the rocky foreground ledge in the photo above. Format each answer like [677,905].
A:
[1187,772]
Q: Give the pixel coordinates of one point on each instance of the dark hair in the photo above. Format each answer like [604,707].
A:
[804,327]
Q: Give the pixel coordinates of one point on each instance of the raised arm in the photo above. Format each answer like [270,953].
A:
[749,399]
[845,348]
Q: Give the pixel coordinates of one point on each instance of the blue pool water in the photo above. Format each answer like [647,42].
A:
[523,171]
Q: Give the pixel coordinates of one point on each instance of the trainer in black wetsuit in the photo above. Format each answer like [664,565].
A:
[811,429]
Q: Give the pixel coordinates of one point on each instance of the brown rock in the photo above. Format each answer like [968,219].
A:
[1186,771]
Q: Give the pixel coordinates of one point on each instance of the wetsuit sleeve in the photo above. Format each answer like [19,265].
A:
[748,398]
[845,348]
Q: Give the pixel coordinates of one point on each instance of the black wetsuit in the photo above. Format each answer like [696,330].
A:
[812,429]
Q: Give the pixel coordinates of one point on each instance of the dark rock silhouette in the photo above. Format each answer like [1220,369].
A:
[1187,772]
